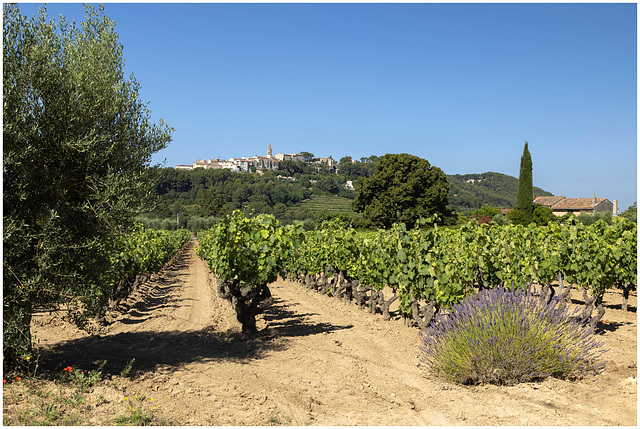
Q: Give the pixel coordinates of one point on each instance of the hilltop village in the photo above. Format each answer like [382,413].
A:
[466,192]
[269,162]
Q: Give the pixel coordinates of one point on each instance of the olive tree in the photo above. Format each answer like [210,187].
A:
[77,144]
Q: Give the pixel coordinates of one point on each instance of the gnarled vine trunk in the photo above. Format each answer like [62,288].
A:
[247,300]
[626,288]
[386,315]
[547,293]
[422,316]
[565,297]
[594,302]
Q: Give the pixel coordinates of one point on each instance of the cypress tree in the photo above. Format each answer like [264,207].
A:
[524,197]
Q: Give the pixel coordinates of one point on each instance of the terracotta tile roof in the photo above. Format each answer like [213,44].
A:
[548,201]
[577,203]
[562,203]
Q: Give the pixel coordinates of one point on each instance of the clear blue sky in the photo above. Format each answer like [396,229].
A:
[461,85]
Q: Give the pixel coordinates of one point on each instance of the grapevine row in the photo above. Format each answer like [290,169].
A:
[136,256]
[426,268]
[438,267]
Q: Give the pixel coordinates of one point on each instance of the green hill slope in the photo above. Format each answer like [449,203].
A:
[468,192]
[324,203]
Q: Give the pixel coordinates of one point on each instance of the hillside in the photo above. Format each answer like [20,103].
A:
[186,194]
[328,204]
[468,192]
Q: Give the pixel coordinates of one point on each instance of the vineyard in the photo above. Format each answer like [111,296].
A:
[331,204]
[427,269]
[316,361]
[138,255]
[108,323]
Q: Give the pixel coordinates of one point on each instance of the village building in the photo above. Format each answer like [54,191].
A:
[244,164]
[329,161]
[229,165]
[265,162]
[561,205]
[201,163]
[289,157]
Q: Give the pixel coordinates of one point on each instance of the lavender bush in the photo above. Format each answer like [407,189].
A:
[502,337]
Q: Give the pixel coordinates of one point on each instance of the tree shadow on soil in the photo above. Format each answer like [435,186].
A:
[170,350]
[607,326]
[285,322]
[153,350]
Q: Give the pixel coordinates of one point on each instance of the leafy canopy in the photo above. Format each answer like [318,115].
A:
[77,142]
[403,188]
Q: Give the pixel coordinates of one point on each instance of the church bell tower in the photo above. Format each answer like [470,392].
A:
[269,152]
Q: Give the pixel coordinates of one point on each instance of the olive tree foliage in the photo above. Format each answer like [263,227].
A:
[403,188]
[77,143]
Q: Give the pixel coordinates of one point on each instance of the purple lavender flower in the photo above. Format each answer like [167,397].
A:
[504,337]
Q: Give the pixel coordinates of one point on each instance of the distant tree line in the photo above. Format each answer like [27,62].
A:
[195,198]
[206,192]
[353,170]
[388,189]
[487,189]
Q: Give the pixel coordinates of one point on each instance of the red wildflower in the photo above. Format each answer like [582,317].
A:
[4,381]
[68,369]
[18,379]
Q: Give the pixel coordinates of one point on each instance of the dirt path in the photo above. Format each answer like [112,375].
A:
[317,362]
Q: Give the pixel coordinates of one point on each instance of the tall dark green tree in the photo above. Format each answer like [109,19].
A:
[77,143]
[524,197]
[403,188]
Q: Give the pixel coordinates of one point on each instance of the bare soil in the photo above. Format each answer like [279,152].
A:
[316,361]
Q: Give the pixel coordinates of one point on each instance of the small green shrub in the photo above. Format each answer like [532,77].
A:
[503,337]
[590,219]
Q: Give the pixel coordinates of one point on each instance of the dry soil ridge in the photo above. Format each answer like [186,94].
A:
[317,362]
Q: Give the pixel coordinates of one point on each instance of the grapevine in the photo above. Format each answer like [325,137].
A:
[427,268]
[431,268]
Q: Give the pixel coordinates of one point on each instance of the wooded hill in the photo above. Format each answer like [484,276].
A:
[469,192]
[183,194]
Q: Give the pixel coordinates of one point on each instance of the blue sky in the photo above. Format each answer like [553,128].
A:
[461,85]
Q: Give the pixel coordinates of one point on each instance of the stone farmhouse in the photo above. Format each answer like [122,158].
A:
[244,164]
[561,205]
